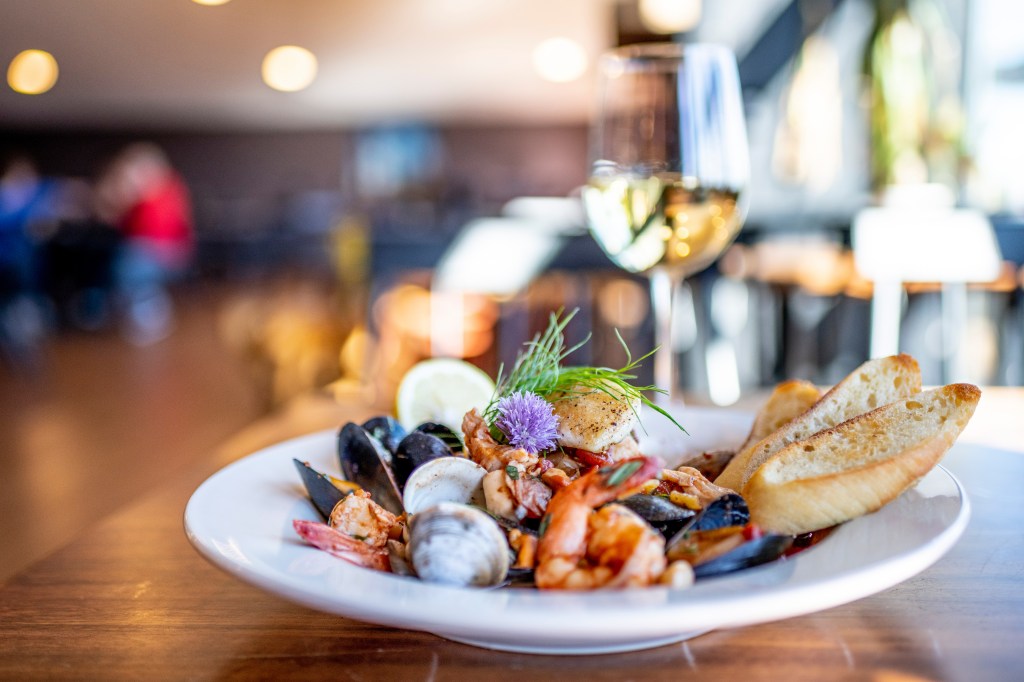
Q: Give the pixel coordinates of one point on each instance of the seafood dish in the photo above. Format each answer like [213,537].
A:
[547,485]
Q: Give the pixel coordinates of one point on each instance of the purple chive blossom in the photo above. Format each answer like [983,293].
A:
[528,421]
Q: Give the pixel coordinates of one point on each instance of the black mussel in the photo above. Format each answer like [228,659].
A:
[752,553]
[520,576]
[450,438]
[366,463]
[415,449]
[322,492]
[723,512]
[386,430]
[727,510]
[663,515]
[710,464]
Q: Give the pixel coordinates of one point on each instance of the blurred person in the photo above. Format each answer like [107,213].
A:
[146,199]
[27,200]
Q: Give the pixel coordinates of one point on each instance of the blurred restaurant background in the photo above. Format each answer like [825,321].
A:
[340,189]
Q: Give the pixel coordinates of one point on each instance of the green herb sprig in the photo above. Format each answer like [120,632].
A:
[538,369]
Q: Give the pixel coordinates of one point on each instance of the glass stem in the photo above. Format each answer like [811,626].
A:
[663,292]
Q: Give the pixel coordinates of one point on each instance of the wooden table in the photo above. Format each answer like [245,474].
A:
[130,599]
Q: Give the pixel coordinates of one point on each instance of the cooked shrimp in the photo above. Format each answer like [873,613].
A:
[594,420]
[489,453]
[358,516]
[692,483]
[513,488]
[336,543]
[582,549]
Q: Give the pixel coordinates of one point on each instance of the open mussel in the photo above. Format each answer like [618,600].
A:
[455,544]
[751,553]
[721,517]
[417,449]
[324,493]
[450,438]
[663,515]
[727,510]
[386,430]
[367,463]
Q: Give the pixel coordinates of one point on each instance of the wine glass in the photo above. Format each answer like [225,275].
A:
[668,169]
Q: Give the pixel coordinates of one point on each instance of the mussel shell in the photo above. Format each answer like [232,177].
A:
[727,510]
[661,514]
[386,430]
[710,464]
[416,449]
[365,462]
[447,479]
[455,544]
[322,493]
[450,438]
[752,553]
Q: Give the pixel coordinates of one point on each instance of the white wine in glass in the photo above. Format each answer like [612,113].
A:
[668,169]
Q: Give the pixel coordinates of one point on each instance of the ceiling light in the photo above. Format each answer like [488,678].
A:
[289,68]
[32,72]
[211,2]
[670,16]
[560,60]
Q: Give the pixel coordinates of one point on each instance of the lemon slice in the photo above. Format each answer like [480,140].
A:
[441,390]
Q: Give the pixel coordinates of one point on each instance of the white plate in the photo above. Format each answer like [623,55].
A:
[241,520]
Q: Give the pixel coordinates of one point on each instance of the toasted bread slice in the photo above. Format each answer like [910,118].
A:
[876,382]
[788,401]
[861,464]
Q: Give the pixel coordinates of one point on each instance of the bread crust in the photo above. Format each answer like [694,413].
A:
[788,401]
[860,465]
[875,383]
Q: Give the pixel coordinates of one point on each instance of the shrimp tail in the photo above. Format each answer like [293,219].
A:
[337,544]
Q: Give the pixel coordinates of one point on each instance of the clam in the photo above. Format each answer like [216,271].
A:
[323,492]
[417,449]
[447,479]
[455,544]
[367,463]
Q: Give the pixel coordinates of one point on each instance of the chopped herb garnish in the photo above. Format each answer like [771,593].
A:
[543,527]
[512,472]
[623,472]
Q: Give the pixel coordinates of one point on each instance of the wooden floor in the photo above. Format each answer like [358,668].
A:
[103,421]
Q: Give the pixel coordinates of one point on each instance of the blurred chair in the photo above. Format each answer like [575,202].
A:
[921,238]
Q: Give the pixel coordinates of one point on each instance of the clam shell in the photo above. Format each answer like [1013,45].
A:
[454,544]
[446,479]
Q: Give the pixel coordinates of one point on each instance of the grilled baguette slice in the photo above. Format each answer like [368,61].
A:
[788,401]
[861,464]
[876,382]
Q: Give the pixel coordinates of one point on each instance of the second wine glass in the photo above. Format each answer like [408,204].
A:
[668,169]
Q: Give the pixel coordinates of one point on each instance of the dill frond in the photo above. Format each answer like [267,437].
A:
[538,369]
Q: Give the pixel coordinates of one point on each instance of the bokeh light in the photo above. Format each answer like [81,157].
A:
[560,60]
[289,68]
[32,72]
